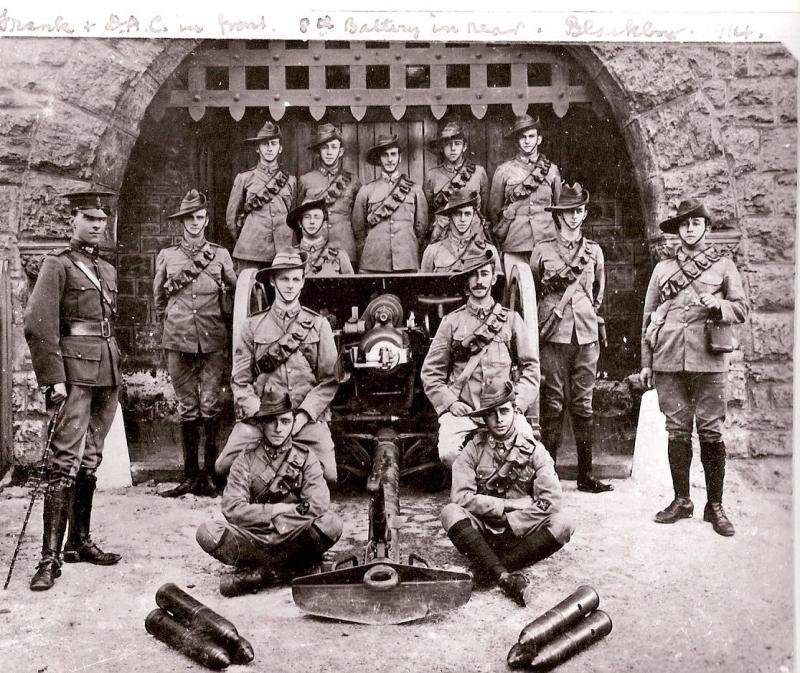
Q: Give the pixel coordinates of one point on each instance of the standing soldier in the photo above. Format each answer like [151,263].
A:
[276,506]
[259,201]
[309,221]
[69,327]
[337,186]
[455,173]
[521,189]
[570,281]
[391,211]
[461,239]
[286,349]
[691,296]
[477,345]
[192,284]
[504,504]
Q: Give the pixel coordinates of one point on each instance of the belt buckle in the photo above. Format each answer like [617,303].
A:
[105,328]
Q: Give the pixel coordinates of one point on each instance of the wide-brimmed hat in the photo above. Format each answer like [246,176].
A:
[475,262]
[383,142]
[324,134]
[273,403]
[192,202]
[493,397]
[571,196]
[92,203]
[269,131]
[460,199]
[450,131]
[296,214]
[284,260]
[686,209]
[522,124]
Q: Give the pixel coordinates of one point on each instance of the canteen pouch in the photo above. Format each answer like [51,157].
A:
[719,337]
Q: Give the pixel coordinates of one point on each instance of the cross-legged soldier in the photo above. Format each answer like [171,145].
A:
[335,185]
[504,512]
[689,297]
[276,507]
[309,222]
[69,327]
[569,271]
[190,286]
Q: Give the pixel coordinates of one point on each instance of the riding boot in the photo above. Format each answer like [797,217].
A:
[79,545]
[471,542]
[211,431]
[583,427]
[531,549]
[679,452]
[712,455]
[56,506]
[191,436]
[551,434]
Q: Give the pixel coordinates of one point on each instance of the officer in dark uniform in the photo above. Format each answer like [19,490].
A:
[276,506]
[69,327]
[192,283]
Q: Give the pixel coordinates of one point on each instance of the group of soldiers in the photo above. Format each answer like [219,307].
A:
[481,373]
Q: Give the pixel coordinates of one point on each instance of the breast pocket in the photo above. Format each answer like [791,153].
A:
[81,357]
[710,281]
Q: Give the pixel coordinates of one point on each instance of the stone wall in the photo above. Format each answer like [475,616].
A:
[716,121]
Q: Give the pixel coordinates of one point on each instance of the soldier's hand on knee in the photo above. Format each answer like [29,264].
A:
[58,392]
[300,421]
[459,408]
[646,377]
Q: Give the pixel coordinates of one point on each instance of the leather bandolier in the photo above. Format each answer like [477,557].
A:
[461,177]
[325,255]
[273,486]
[270,190]
[278,352]
[483,335]
[531,183]
[191,270]
[560,279]
[337,186]
[392,201]
[689,270]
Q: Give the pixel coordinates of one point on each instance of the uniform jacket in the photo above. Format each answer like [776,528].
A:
[264,230]
[393,244]
[521,224]
[447,255]
[550,262]
[442,175]
[681,342]
[341,188]
[64,293]
[510,346]
[481,456]
[326,260]
[307,376]
[193,321]
[251,471]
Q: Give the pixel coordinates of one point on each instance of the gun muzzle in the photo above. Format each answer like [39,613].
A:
[161,625]
[591,629]
[556,620]
[202,620]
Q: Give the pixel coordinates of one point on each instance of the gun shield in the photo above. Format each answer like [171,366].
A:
[161,625]
[556,620]
[202,620]
[593,628]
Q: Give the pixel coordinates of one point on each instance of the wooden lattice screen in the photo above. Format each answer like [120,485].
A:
[277,74]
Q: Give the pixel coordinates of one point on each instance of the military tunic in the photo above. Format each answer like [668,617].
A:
[325,260]
[254,528]
[534,479]
[519,224]
[392,244]
[447,255]
[263,228]
[445,176]
[65,300]
[339,187]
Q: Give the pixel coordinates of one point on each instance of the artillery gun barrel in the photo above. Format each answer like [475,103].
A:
[383,487]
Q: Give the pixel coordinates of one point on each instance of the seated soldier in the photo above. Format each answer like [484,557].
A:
[275,504]
[461,239]
[309,222]
[504,511]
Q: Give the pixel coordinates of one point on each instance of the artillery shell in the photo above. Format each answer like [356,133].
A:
[161,625]
[556,620]
[593,628]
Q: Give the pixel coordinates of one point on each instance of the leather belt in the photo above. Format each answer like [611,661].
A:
[101,329]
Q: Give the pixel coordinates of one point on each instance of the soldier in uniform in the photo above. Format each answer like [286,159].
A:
[309,222]
[276,505]
[569,271]
[69,327]
[289,349]
[521,189]
[462,240]
[192,282]
[337,186]
[456,173]
[391,211]
[504,510]
[475,346]
[694,291]
[259,202]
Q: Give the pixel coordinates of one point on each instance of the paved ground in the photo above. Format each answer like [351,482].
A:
[681,597]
